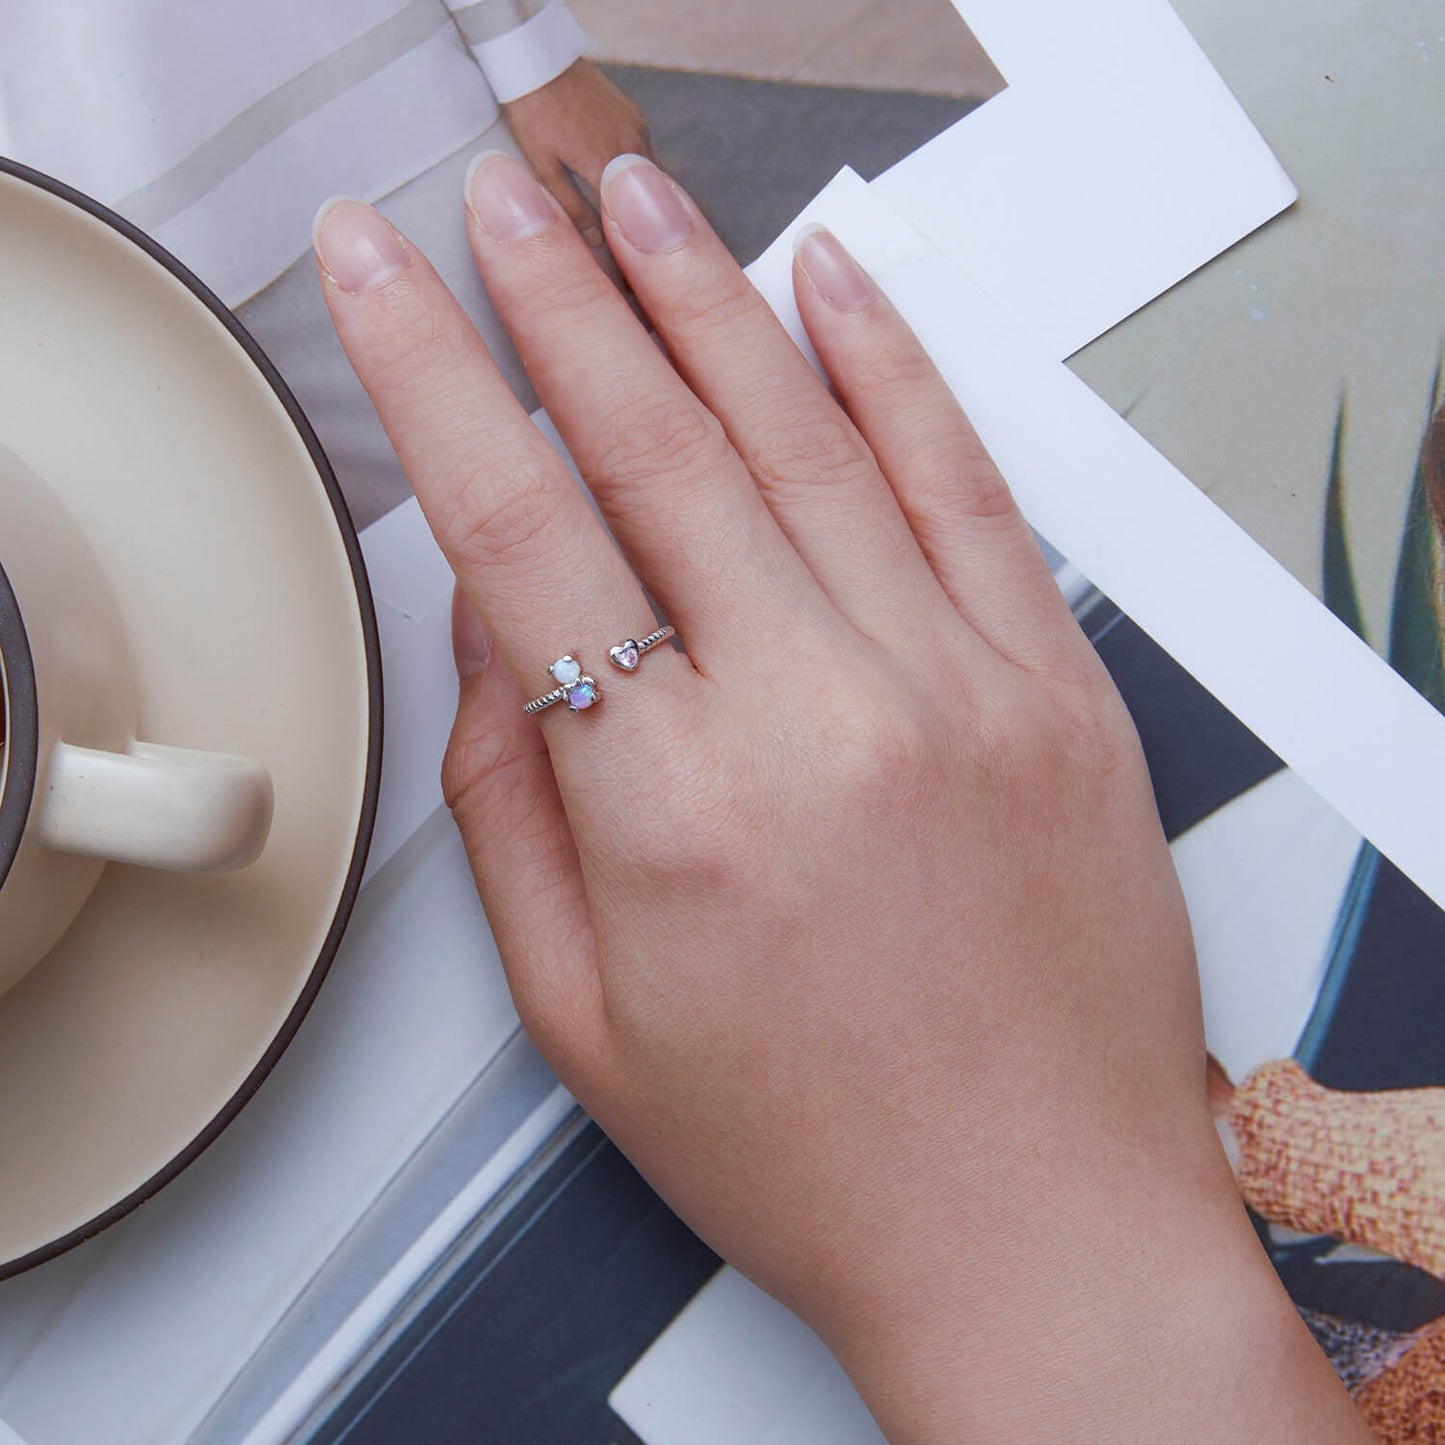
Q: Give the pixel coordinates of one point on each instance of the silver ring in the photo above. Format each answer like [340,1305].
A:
[574,688]
[627,655]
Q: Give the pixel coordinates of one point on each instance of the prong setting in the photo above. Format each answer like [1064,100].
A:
[584,693]
[578,689]
[566,671]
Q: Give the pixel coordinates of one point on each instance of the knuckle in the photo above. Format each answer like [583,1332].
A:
[1096,728]
[964,485]
[899,366]
[414,348]
[1079,736]
[660,436]
[721,306]
[989,753]
[824,448]
[561,291]
[689,835]
[879,755]
[497,522]
[688,852]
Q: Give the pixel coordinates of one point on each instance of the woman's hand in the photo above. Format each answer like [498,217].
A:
[573,126]
[854,925]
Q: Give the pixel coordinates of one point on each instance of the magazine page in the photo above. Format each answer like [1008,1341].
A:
[1294,379]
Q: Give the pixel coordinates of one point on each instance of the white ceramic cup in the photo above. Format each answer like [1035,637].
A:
[76,787]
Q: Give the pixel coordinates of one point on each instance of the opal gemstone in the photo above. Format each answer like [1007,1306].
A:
[566,671]
[582,696]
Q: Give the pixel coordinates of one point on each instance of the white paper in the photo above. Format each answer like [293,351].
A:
[421,700]
[412,587]
[1115,163]
[736,1366]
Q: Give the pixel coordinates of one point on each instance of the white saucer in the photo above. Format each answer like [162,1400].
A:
[136,395]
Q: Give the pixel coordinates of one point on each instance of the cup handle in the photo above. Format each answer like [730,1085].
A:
[157,807]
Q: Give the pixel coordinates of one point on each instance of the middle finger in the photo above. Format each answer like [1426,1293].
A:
[811,464]
[677,496]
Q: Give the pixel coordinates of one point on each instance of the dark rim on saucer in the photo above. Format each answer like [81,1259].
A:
[262,362]
[20,716]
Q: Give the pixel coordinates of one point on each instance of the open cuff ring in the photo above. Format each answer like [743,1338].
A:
[578,690]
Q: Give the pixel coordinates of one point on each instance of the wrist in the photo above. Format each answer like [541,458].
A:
[1113,1315]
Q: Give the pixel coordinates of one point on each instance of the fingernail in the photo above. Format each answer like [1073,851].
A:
[359,248]
[645,204]
[835,275]
[506,198]
[471,646]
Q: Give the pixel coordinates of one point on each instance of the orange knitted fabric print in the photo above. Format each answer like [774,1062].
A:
[1405,1403]
[1367,1168]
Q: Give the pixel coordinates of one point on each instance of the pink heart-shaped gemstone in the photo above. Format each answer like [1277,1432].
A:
[627,656]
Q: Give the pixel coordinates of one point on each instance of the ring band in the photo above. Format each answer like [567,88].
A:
[627,655]
[574,688]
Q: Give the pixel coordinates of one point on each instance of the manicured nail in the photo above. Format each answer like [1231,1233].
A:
[471,646]
[359,248]
[835,275]
[506,198]
[645,204]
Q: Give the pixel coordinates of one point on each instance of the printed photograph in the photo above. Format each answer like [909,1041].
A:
[1295,377]
[754,106]
[1323,993]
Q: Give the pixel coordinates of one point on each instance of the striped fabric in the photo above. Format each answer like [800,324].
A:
[220,127]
